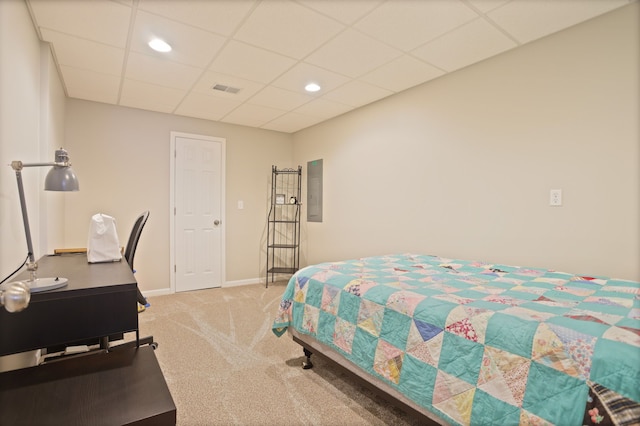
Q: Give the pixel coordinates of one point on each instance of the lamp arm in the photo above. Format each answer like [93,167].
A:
[18,165]
[32,265]
[25,216]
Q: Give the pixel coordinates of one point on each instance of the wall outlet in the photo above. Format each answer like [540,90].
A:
[555,197]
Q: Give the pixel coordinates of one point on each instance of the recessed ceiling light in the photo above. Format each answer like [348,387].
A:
[159,45]
[312,87]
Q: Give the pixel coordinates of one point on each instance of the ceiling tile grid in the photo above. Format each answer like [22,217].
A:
[261,53]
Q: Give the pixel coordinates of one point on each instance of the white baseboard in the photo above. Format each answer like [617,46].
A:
[165,291]
[243,282]
[158,292]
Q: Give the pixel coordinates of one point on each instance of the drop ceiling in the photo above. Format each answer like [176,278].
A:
[358,51]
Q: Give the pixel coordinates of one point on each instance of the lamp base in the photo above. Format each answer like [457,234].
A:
[46,284]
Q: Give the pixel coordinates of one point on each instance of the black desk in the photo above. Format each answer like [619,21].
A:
[99,300]
[122,387]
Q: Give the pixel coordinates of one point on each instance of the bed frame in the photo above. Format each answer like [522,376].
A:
[311,346]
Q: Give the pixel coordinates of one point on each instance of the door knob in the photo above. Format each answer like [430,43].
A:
[216,222]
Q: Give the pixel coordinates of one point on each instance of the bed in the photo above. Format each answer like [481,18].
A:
[465,342]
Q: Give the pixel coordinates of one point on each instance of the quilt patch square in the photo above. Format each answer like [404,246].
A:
[370,317]
[310,319]
[330,299]
[424,342]
[469,322]
[453,397]
[551,394]
[416,380]
[511,333]
[326,325]
[388,361]
[395,328]
[503,375]
[556,349]
[366,344]
[359,287]
[461,357]
[485,406]
[434,311]
[617,366]
[348,309]
[623,334]
[314,293]
[404,301]
[344,333]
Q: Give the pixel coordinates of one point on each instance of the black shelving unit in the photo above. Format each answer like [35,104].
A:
[283,227]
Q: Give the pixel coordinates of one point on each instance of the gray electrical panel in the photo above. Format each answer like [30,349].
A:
[314,191]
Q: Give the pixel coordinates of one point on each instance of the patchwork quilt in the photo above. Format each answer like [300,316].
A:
[479,343]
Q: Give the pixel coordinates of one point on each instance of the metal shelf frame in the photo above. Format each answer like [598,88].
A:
[283,223]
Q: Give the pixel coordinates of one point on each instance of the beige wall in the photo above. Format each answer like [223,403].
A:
[462,166]
[121,156]
[31,127]
[32,112]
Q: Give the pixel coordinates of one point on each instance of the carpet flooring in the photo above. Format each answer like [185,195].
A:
[224,366]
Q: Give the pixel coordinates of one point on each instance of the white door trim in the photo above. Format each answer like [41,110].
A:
[172,202]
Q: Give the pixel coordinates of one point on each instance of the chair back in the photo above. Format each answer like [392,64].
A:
[130,251]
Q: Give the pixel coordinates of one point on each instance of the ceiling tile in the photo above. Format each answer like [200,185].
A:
[81,53]
[464,46]
[220,16]
[299,76]
[161,72]
[90,85]
[191,46]
[352,53]
[205,106]
[359,51]
[138,94]
[250,62]
[345,11]
[252,115]
[323,108]
[210,79]
[102,21]
[357,93]
[402,73]
[280,98]
[529,20]
[291,122]
[287,28]
[413,23]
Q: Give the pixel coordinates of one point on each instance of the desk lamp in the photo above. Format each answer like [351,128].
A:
[60,178]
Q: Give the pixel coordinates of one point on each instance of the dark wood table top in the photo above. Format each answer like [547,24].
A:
[82,275]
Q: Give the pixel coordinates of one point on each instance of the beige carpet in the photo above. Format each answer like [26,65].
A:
[224,366]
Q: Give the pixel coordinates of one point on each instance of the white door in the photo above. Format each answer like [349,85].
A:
[198,194]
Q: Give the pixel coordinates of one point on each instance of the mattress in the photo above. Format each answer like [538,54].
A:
[478,343]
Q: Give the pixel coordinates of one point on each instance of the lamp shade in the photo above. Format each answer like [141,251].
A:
[61,178]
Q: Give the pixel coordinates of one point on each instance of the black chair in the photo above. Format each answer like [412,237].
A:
[129,254]
[130,251]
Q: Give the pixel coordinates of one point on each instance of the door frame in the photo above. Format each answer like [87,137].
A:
[172,202]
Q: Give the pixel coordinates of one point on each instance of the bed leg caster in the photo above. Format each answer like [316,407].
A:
[307,364]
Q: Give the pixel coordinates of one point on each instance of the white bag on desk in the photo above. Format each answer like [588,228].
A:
[103,244]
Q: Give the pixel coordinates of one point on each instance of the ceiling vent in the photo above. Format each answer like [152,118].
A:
[225,88]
